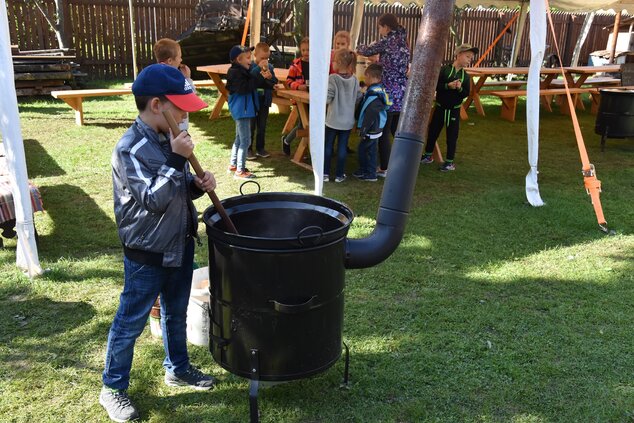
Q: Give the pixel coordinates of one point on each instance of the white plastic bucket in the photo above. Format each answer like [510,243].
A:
[198,308]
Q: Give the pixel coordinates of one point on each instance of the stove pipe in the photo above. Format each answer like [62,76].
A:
[408,143]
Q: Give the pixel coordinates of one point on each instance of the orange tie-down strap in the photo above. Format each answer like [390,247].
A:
[590,181]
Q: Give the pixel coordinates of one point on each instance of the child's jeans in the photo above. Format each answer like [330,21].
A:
[342,145]
[367,156]
[241,143]
[259,124]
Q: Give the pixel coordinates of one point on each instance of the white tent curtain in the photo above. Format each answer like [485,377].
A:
[538,42]
[320,26]
[26,257]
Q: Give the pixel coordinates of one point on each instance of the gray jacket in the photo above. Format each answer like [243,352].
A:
[153,191]
[343,95]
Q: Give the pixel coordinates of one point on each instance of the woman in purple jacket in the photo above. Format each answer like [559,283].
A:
[394,56]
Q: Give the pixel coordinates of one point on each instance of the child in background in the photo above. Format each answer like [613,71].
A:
[243,104]
[265,97]
[372,115]
[452,88]
[168,51]
[343,93]
[341,40]
[298,76]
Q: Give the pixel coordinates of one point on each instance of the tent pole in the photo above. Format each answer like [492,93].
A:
[135,69]
[256,22]
[357,19]
[519,33]
[585,29]
[615,36]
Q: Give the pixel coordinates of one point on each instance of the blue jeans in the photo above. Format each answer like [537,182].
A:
[241,143]
[367,156]
[342,146]
[142,284]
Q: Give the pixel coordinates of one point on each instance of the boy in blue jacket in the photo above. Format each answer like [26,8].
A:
[372,115]
[243,104]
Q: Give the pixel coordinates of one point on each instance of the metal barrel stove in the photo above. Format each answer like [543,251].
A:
[277,287]
[615,118]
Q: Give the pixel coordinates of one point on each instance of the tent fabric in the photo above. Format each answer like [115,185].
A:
[567,5]
[320,46]
[538,42]
[26,255]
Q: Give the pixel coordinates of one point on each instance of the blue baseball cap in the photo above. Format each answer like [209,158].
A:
[164,80]
[237,51]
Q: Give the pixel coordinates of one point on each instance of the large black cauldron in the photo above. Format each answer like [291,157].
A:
[615,118]
[277,286]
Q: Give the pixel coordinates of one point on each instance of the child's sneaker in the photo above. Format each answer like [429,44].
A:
[192,378]
[357,174]
[447,166]
[250,155]
[340,178]
[232,168]
[243,174]
[368,178]
[262,153]
[381,173]
[326,178]
[118,405]
[427,160]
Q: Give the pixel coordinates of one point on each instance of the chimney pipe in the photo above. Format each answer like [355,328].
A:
[407,150]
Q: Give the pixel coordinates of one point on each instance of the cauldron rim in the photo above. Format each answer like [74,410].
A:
[249,202]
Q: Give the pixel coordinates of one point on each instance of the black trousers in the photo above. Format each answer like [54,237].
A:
[259,124]
[385,142]
[449,118]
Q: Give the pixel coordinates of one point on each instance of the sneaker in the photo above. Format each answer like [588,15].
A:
[340,178]
[118,405]
[232,168]
[427,160]
[326,178]
[286,148]
[358,174]
[446,167]
[381,173]
[368,178]
[262,153]
[192,378]
[243,174]
[250,155]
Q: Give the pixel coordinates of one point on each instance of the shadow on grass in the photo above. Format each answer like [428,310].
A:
[39,162]
[79,228]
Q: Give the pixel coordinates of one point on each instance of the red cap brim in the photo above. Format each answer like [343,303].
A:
[187,102]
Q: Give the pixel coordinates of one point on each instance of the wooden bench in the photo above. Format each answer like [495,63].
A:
[203,83]
[590,82]
[75,99]
[508,84]
[509,99]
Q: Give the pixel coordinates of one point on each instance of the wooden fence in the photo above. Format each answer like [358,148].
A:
[100,30]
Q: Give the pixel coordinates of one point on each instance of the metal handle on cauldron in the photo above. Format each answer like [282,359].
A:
[294,308]
[300,239]
[250,182]
[193,161]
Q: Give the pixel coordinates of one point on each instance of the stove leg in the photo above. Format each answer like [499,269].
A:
[253,401]
[605,135]
[346,368]
[254,386]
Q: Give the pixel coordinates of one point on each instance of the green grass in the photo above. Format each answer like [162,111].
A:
[489,311]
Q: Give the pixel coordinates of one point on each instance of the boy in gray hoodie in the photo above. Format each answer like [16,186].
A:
[343,94]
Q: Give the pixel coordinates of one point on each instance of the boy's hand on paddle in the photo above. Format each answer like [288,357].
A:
[182,144]
[207,183]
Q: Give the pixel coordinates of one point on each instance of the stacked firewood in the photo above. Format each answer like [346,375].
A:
[38,72]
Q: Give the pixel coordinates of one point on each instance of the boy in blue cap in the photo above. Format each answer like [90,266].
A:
[244,104]
[157,223]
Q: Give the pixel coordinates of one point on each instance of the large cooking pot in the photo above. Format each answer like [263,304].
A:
[277,285]
[615,118]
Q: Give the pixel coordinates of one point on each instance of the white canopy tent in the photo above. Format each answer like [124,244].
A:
[26,256]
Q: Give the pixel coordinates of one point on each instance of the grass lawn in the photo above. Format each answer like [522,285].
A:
[489,311]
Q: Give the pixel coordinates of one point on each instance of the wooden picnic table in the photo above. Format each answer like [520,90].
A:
[218,72]
[302,100]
